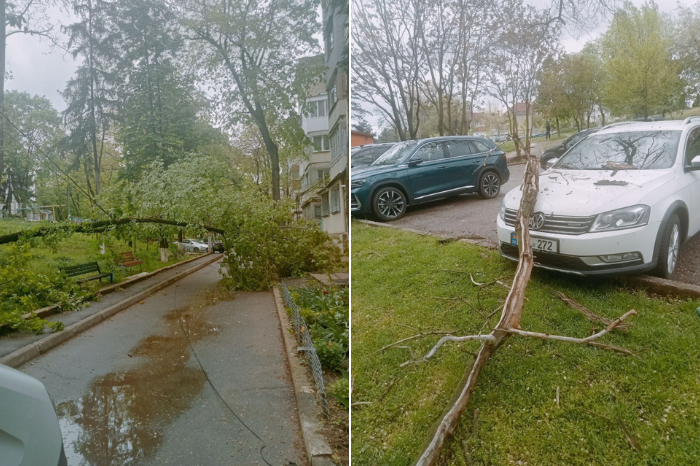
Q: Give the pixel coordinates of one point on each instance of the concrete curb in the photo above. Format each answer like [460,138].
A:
[664,287]
[51,310]
[656,285]
[317,449]
[31,351]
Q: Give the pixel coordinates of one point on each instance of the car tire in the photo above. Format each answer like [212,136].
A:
[196,250]
[489,185]
[389,204]
[669,250]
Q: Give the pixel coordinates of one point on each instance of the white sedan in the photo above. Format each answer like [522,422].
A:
[195,245]
[623,200]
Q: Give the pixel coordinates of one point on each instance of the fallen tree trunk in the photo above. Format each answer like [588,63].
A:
[94,227]
[510,316]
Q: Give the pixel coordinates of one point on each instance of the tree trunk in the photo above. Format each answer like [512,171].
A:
[93,118]
[164,249]
[272,151]
[510,317]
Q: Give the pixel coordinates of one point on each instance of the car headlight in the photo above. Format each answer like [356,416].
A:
[629,217]
[357,183]
[502,211]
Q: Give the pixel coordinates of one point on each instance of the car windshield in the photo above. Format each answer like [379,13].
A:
[633,150]
[396,153]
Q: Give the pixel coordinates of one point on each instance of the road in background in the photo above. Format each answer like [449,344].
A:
[187,376]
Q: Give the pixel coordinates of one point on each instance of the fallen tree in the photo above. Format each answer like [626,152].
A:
[509,323]
[94,227]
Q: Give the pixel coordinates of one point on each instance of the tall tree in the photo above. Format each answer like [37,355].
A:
[687,49]
[90,94]
[636,49]
[388,58]
[37,127]
[161,115]
[251,51]
[19,17]
[521,50]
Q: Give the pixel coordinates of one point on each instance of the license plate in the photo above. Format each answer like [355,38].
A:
[538,244]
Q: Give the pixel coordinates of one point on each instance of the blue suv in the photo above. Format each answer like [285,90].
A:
[413,172]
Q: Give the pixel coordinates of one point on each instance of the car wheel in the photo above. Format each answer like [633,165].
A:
[669,249]
[389,204]
[489,185]
[196,249]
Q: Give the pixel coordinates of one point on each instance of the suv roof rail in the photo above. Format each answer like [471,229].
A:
[617,123]
[691,119]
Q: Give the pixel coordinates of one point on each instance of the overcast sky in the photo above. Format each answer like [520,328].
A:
[572,41]
[37,69]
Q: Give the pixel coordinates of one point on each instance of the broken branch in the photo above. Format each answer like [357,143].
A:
[419,335]
[595,336]
[590,315]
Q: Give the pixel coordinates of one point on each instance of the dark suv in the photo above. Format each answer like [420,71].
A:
[558,151]
[412,172]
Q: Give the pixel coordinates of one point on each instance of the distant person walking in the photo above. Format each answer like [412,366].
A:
[548,128]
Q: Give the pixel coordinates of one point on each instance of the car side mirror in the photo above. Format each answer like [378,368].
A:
[415,161]
[695,163]
[551,162]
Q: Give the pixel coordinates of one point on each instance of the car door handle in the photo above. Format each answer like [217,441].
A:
[442,166]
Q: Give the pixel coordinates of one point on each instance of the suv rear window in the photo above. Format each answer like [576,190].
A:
[633,150]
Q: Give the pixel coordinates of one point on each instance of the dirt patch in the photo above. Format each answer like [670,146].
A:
[336,430]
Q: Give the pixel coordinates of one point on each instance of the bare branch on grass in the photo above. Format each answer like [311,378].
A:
[590,315]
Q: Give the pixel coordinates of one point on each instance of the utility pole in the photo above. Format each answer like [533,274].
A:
[68,199]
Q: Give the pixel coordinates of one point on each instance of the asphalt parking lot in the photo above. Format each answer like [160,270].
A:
[469,216]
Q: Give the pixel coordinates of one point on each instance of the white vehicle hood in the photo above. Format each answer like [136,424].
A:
[581,193]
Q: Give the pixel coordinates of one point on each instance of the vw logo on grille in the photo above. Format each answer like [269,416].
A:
[537,221]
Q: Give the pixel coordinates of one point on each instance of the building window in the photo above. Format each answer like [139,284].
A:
[332,96]
[317,109]
[320,143]
[339,140]
[322,174]
[335,199]
[317,211]
[325,206]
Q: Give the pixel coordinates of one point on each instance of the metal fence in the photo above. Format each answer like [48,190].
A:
[306,346]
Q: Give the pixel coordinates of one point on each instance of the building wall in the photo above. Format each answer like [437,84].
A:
[336,35]
[360,139]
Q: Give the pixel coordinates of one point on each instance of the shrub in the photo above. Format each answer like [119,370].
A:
[23,290]
[264,242]
[340,390]
[326,312]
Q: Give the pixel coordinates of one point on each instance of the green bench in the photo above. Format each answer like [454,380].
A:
[82,269]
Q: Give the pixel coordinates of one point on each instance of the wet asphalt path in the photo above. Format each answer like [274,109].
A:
[469,216]
[131,390]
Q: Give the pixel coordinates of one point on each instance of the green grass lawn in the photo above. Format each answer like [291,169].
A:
[396,280]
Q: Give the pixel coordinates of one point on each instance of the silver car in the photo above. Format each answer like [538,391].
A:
[29,430]
[195,245]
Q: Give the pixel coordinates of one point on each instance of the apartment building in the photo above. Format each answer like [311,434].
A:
[334,205]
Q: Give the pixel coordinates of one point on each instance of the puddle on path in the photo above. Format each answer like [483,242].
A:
[122,417]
